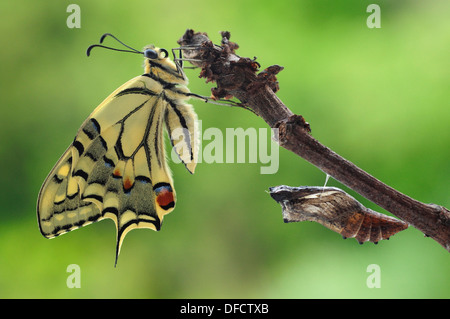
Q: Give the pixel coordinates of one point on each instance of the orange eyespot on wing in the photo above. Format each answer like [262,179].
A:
[164,195]
[127,184]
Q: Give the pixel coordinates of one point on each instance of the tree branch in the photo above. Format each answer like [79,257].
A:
[237,76]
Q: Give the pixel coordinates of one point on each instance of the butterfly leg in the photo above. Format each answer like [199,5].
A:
[221,102]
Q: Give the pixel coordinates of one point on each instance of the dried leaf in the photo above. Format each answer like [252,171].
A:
[336,210]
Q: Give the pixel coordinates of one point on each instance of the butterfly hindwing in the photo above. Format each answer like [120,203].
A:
[116,166]
[60,208]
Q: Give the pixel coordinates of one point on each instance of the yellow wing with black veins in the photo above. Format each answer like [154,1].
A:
[116,167]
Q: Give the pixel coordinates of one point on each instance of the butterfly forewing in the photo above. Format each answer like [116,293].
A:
[116,167]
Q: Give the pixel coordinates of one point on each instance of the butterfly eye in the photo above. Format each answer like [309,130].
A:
[151,54]
[164,51]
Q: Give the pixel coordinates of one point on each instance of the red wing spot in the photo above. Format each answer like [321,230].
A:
[165,198]
[116,173]
[127,184]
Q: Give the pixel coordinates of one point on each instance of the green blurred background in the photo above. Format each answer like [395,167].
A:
[378,97]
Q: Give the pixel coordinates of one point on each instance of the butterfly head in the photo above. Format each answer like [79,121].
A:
[150,52]
[157,60]
[157,57]
[153,53]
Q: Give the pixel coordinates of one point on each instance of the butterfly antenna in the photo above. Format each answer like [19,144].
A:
[131,50]
[110,35]
[88,52]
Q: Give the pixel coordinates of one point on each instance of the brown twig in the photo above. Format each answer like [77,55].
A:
[237,76]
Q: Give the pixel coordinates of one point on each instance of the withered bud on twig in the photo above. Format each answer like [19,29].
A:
[234,75]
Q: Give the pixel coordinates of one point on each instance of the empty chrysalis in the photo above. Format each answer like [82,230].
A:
[336,210]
